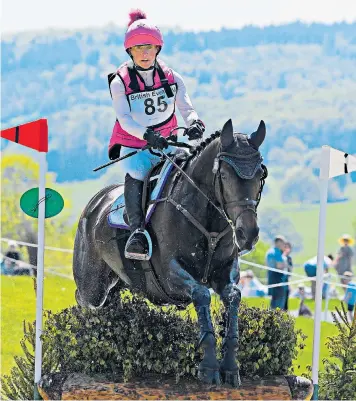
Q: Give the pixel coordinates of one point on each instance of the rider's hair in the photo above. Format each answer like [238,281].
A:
[197,149]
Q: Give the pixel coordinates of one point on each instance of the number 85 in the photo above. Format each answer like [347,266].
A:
[150,107]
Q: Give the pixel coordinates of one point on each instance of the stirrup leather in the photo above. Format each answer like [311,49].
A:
[139,256]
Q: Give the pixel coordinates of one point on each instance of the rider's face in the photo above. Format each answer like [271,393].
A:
[144,55]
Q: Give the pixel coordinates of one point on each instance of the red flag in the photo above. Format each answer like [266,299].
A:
[34,135]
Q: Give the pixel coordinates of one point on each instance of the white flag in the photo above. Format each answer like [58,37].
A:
[341,163]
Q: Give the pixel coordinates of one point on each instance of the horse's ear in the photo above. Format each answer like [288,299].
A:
[227,134]
[258,136]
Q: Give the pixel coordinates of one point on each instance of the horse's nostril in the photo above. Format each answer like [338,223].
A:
[255,240]
[240,235]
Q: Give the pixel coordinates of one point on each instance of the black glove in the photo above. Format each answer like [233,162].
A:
[196,130]
[155,139]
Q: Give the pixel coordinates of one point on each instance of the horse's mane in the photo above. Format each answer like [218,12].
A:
[202,145]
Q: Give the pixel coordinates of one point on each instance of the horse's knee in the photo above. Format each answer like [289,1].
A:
[201,296]
[231,294]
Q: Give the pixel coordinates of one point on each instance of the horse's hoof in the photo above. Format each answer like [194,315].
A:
[209,376]
[231,377]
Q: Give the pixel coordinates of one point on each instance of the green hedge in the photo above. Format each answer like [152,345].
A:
[132,337]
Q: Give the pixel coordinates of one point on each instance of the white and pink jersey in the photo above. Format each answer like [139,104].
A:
[143,99]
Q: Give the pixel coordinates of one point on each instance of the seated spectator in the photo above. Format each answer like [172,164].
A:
[13,264]
[303,309]
[12,255]
[251,286]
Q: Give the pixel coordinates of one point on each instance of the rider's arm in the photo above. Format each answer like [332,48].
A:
[183,101]
[122,109]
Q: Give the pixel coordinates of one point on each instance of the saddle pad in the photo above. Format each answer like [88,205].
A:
[116,215]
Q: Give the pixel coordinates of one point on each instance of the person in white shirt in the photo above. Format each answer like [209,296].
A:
[145,94]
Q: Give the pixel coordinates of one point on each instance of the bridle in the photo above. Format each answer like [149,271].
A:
[246,204]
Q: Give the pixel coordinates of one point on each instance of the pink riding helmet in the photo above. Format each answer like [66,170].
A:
[140,31]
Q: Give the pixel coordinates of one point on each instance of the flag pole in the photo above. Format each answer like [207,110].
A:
[40,271]
[323,180]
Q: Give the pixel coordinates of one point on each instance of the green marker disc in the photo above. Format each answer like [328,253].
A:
[29,202]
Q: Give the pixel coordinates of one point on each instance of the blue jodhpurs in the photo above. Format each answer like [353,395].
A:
[138,166]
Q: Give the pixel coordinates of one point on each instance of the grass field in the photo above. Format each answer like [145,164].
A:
[339,220]
[18,304]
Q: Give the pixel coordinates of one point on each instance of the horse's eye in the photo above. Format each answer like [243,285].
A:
[223,176]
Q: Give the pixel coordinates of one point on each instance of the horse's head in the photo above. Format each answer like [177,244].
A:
[239,177]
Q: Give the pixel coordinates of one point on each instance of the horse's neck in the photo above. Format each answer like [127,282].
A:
[200,170]
[201,167]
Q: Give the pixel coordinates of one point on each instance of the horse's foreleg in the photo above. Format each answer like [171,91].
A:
[231,297]
[208,371]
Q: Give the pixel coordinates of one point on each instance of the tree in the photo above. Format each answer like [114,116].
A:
[338,381]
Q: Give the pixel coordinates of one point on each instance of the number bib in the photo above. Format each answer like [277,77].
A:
[153,107]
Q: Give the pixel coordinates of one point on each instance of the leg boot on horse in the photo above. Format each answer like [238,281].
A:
[208,371]
[231,297]
[180,281]
[137,246]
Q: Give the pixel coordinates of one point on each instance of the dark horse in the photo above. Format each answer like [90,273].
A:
[197,233]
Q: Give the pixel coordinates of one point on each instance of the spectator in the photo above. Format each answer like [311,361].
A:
[12,251]
[310,267]
[274,259]
[13,263]
[251,286]
[286,254]
[12,255]
[303,309]
[343,260]
[350,294]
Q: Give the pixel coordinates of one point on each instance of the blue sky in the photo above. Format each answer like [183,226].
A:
[25,15]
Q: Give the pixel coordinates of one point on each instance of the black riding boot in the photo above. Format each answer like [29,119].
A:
[137,246]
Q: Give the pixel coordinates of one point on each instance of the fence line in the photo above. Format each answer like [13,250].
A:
[243,261]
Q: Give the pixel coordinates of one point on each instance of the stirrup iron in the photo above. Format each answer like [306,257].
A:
[138,256]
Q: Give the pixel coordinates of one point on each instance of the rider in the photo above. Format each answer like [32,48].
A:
[144,93]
